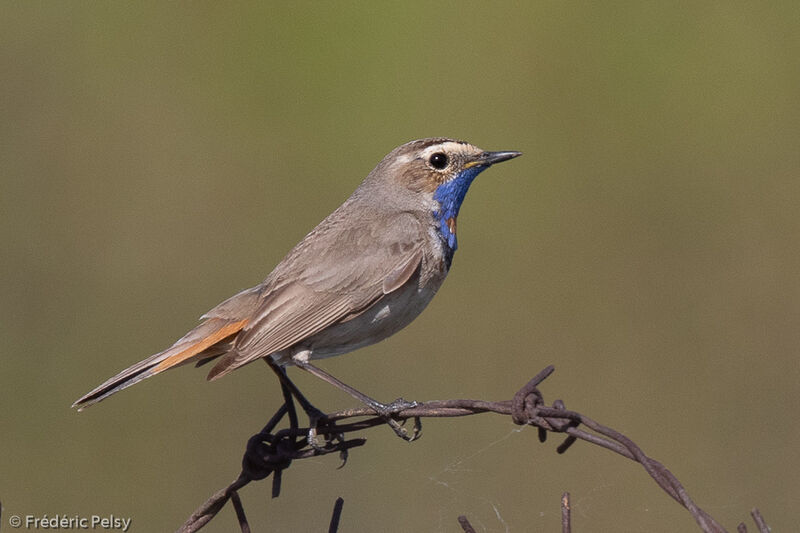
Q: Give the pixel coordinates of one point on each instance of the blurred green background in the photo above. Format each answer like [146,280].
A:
[157,158]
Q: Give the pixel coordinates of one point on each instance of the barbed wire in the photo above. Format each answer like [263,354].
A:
[269,453]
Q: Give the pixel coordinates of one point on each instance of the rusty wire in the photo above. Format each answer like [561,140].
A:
[269,453]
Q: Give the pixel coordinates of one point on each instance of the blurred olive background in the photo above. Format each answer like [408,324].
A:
[157,158]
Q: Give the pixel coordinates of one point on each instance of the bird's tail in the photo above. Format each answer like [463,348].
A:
[210,339]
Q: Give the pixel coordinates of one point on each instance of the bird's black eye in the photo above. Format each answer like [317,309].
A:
[438,160]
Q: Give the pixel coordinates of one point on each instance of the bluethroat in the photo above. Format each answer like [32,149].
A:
[364,273]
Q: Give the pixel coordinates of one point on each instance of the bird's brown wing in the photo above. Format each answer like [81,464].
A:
[336,271]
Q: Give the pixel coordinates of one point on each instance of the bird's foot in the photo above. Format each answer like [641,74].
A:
[399,405]
[314,420]
[386,411]
[317,419]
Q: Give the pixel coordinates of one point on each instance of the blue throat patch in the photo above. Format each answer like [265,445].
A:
[450,195]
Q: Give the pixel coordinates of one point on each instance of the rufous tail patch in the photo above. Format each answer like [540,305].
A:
[223,332]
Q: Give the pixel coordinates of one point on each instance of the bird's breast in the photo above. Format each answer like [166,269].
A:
[384,318]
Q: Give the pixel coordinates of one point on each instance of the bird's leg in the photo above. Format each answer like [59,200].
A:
[290,389]
[383,410]
[307,406]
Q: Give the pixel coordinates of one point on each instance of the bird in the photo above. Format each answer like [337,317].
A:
[362,274]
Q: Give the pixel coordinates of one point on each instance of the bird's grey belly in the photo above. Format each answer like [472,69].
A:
[386,317]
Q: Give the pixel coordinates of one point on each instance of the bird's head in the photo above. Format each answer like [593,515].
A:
[439,170]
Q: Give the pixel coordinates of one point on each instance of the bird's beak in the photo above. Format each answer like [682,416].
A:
[486,159]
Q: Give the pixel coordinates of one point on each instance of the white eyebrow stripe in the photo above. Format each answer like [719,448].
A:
[447,146]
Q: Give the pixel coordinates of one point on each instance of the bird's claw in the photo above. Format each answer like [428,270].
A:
[401,431]
[398,406]
[314,421]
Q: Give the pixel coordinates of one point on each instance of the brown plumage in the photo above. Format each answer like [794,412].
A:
[362,274]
